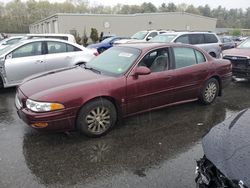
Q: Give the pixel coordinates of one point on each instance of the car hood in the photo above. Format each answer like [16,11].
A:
[227,146]
[58,82]
[237,52]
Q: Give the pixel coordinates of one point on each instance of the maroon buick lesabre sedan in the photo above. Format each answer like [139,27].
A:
[123,81]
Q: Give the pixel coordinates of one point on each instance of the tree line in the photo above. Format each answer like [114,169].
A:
[16,16]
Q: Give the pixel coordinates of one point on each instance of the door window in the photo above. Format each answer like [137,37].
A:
[71,48]
[56,47]
[31,49]
[196,39]
[199,57]
[183,39]
[184,57]
[157,60]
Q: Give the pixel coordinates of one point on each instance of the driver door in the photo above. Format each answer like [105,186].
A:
[24,61]
[150,91]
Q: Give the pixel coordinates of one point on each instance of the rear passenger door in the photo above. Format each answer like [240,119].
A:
[59,55]
[190,70]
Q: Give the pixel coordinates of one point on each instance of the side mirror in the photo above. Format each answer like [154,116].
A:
[149,38]
[141,70]
[9,56]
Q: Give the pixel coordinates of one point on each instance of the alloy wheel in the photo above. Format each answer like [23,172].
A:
[98,120]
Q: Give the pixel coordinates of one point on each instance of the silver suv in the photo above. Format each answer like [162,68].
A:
[205,40]
[34,56]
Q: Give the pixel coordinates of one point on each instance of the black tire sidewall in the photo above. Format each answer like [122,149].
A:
[203,98]
[80,121]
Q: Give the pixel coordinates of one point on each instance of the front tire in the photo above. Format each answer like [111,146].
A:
[210,91]
[96,118]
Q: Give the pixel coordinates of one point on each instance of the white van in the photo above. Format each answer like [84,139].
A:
[67,37]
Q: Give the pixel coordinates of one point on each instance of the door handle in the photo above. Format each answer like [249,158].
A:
[39,61]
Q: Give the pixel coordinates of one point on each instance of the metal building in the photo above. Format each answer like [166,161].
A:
[123,25]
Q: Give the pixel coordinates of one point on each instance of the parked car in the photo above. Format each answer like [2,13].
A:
[205,40]
[226,162]
[227,42]
[9,41]
[141,36]
[67,37]
[29,57]
[122,81]
[240,59]
[105,44]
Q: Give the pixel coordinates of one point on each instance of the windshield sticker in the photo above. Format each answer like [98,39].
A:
[124,54]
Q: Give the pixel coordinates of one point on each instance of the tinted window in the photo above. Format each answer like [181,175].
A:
[31,49]
[196,39]
[184,57]
[56,47]
[12,41]
[200,57]
[153,34]
[183,39]
[210,38]
[157,60]
[71,48]
[115,61]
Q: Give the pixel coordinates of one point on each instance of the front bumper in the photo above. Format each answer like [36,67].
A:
[241,73]
[56,121]
[60,120]
[208,176]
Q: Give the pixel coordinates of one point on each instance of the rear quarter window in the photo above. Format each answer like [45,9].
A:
[184,57]
[210,38]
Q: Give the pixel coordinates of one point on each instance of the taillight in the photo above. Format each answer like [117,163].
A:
[221,46]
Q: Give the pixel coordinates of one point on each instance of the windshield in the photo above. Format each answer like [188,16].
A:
[245,44]
[8,48]
[140,35]
[163,38]
[115,61]
[107,40]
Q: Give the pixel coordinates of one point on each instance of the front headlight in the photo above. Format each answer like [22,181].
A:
[43,106]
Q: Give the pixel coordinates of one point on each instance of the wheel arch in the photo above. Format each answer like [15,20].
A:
[219,81]
[109,98]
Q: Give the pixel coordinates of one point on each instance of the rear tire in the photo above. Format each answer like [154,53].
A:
[210,91]
[96,118]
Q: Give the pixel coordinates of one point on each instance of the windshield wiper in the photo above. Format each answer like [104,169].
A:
[92,69]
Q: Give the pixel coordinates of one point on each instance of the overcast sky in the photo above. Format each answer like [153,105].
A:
[212,3]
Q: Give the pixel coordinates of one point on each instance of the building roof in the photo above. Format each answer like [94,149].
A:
[124,15]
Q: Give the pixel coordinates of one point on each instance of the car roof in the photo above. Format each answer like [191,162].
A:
[151,45]
[185,32]
[47,39]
